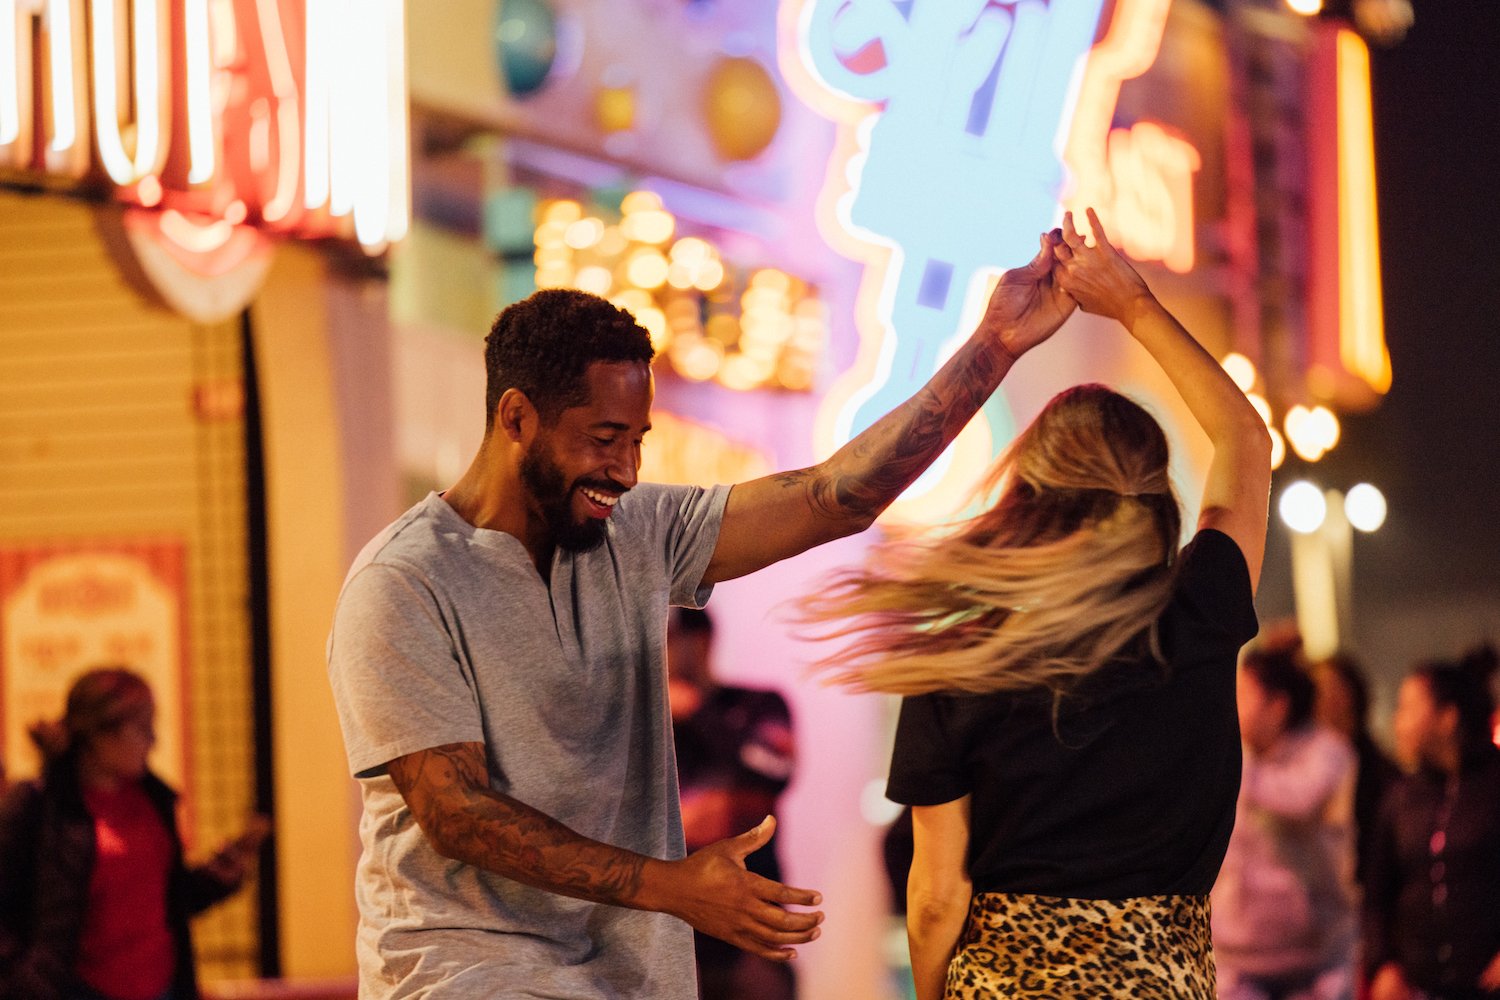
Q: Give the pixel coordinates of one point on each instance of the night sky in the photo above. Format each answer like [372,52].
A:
[1433,446]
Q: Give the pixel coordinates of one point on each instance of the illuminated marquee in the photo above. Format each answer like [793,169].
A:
[965,127]
[285,116]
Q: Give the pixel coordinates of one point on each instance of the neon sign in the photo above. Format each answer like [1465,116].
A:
[285,116]
[965,127]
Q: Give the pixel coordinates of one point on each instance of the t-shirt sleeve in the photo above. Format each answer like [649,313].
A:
[397,683]
[1213,588]
[926,770]
[692,516]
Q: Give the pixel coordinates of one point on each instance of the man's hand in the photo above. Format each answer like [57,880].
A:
[1028,305]
[711,890]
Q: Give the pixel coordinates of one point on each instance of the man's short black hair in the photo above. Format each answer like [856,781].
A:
[544,344]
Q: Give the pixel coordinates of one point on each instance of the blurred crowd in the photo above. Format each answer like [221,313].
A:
[1351,873]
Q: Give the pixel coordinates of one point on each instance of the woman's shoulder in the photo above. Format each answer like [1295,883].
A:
[1213,591]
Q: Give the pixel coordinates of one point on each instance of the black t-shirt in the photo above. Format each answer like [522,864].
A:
[1128,787]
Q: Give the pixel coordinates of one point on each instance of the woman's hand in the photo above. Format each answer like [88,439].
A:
[1098,277]
[231,861]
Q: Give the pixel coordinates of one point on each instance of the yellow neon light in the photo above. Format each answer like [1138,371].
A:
[146,43]
[199,84]
[344,108]
[398,211]
[64,95]
[10,75]
[1124,53]
[1152,174]
[1362,348]
[191,236]
[288,124]
[1139,179]
[318,82]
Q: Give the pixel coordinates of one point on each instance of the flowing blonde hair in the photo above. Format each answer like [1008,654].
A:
[1069,568]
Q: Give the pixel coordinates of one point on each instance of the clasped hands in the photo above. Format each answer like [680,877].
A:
[1068,272]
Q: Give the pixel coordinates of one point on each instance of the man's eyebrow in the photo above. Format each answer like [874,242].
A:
[615,425]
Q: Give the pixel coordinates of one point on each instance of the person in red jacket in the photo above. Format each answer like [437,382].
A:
[94,893]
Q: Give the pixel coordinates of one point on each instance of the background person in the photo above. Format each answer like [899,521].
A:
[94,894]
[1285,917]
[1432,907]
[1068,741]
[735,755]
[1342,704]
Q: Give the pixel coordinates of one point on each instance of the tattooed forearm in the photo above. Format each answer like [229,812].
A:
[869,472]
[447,790]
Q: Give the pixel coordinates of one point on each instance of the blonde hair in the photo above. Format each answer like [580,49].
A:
[1068,570]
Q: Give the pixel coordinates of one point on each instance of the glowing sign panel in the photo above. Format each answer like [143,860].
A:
[287,115]
[963,124]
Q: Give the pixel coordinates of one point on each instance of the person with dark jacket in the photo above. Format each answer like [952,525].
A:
[1432,902]
[95,896]
[1343,705]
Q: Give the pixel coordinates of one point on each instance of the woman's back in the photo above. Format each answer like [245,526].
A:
[1127,788]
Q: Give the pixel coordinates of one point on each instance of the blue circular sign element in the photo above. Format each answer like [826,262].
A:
[525,43]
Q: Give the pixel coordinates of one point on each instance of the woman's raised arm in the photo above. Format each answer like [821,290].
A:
[1236,492]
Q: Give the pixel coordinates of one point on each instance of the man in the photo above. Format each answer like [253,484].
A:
[496,659]
[735,752]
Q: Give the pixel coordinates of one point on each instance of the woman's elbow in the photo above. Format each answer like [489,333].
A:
[930,907]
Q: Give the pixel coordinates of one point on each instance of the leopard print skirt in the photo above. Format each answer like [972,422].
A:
[1048,948]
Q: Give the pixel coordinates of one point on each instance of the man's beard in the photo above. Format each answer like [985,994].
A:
[544,480]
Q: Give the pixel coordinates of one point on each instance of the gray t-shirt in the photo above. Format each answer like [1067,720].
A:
[446,633]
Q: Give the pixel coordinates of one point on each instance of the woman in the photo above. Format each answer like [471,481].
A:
[1433,897]
[1285,908]
[1069,744]
[94,895]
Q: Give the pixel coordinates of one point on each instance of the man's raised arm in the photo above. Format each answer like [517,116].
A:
[769,519]
[447,790]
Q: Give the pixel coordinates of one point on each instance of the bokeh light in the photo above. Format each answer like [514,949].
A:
[1302,507]
[1364,506]
[1241,370]
[747,329]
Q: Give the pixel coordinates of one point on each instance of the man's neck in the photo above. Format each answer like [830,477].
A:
[489,495]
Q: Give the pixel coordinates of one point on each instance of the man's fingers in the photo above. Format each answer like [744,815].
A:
[790,921]
[786,895]
[752,840]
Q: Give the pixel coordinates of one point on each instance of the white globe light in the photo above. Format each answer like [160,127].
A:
[1364,506]
[1302,507]
[1307,7]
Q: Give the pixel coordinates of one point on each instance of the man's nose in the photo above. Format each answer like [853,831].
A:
[625,465]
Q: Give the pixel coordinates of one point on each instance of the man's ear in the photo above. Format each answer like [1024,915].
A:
[516,416]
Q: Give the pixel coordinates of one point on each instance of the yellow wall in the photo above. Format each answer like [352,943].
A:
[108,435]
[321,356]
